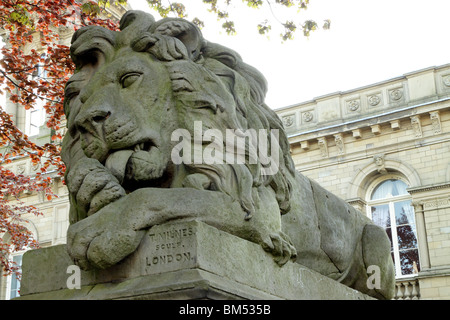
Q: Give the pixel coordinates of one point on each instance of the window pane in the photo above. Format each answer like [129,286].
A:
[406,237]
[404,213]
[389,188]
[15,283]
[389,233]
[409,261]
[380,215]
[15,286]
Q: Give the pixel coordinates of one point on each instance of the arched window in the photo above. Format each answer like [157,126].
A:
[390,207]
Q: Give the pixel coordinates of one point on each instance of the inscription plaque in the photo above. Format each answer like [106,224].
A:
[169,247]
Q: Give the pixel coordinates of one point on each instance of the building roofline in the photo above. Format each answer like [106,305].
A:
[341,93]
[368,117]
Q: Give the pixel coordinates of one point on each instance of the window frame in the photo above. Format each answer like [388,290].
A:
[9,277]
[390,201]
[36,117]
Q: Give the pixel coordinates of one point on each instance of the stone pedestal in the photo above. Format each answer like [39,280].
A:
[180,260]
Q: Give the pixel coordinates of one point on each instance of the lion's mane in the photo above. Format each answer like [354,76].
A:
[236,97]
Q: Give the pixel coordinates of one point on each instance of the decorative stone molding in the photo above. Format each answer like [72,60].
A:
[41,196]
[288,121]
[338,139]
[374,100]
[36,166]
[435,122]
[416,126]
[365,174]
[21,169]
[304,145]
[395,125]
[379,162]
[323,147]
[356,133]
[446,80]
[436,203]
[353,105]
[376,129]
[428,188]
[357,203]
[307,116]
[396,94]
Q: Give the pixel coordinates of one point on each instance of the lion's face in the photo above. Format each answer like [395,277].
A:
[135,87]
[126,106]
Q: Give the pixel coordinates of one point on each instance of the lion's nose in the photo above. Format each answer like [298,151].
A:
[92,121]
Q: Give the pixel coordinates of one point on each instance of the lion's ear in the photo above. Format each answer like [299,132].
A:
[136,19]
[89,43]
[187,32]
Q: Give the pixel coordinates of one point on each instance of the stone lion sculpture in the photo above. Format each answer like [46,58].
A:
[131,90]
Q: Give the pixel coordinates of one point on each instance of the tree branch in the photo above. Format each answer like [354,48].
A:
[25,89]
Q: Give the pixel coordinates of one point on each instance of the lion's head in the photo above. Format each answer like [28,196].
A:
[132,89]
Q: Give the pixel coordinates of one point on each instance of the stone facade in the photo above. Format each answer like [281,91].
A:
[49,228]
[399,129]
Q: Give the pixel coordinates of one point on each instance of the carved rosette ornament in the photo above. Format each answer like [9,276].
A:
[353,105]
[308,116]
[446,80]
[288,121]
[396,94]
[374,100]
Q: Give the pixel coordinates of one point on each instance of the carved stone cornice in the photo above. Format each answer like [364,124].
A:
[428,188]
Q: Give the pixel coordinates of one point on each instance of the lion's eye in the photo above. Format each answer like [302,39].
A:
[129,78]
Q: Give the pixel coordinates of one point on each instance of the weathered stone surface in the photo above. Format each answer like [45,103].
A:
[150,110]
[181,260]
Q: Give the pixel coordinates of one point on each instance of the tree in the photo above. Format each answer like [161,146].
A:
[222,12]
[24,21]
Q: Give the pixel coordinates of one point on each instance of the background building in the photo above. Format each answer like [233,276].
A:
[385,149]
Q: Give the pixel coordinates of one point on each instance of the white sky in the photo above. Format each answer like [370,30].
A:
[369,41]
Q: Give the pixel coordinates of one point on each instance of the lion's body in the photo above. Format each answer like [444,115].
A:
[336,240]
[132,90]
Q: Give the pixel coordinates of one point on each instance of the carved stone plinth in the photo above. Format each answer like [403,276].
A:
[180,260]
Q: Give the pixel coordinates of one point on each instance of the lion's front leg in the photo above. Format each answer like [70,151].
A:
[103,239]
[115,231]
[91,187]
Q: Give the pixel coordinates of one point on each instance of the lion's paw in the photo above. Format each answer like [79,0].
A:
[92,186]
[103,239]
[280,246]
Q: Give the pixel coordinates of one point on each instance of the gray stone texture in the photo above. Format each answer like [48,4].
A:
[132,90]
[181,260]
